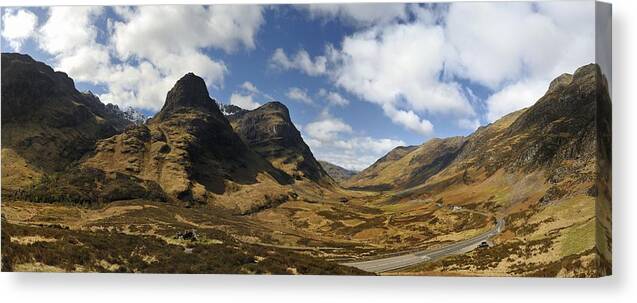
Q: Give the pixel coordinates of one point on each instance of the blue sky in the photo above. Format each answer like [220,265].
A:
[359,79]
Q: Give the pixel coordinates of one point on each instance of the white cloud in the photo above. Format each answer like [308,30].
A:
[298,94]
[243,101]
[514,97]
[409,120]
[398,67]
[400,62]
[300,61]
[327,128]
[151,31]
[152,45]
[18,26]
[68,28]
[517,48]
[333,98]
[360,14]
[333,140]
[490,49]
[412,68]
[248,86]
[470,124]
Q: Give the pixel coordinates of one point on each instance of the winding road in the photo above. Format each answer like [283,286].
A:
[408,259]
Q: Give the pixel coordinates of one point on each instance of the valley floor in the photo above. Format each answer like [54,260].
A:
[300,237]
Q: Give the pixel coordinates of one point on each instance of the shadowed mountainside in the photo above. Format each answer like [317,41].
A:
[269,131]
[45,118]
[46,123]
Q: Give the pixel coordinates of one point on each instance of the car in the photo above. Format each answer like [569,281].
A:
[483,244]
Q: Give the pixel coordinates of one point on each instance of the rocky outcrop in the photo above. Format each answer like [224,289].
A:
[269,131]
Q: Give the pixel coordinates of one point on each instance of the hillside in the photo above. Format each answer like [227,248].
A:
[339,174]
[408,167]
[537,167]
[46,123]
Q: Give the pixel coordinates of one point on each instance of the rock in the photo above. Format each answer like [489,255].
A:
[188,235]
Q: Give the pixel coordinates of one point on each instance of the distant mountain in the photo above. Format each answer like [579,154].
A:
[339,174]
[372,171]
[229,109]
[406,167]
[129,114]
[46,122]
[269,131]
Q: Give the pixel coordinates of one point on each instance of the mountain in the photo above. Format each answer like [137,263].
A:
[558,131]
[269,131]
[46,123]
[129,114]
[406,167]
[188,148]
[365,179]
[339,174]
[229,109]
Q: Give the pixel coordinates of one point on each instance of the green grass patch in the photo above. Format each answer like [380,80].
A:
[578,239]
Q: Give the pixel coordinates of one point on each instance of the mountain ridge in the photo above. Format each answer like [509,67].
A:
[338,173]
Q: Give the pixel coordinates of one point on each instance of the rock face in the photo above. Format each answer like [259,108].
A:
[339,174]
[46,122]
[189,148]
[269,131]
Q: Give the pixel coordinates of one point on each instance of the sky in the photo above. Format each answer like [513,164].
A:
[359,79]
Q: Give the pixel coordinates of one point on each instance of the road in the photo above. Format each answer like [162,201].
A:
[408,259]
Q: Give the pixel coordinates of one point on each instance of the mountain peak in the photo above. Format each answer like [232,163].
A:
[276,106]
[190,91]
[560,82]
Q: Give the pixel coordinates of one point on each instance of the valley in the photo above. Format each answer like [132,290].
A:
[199,189]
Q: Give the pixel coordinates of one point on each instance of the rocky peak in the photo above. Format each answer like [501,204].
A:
[269,131]
[275,106]
[560,82]
[568,97]
[189,92]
